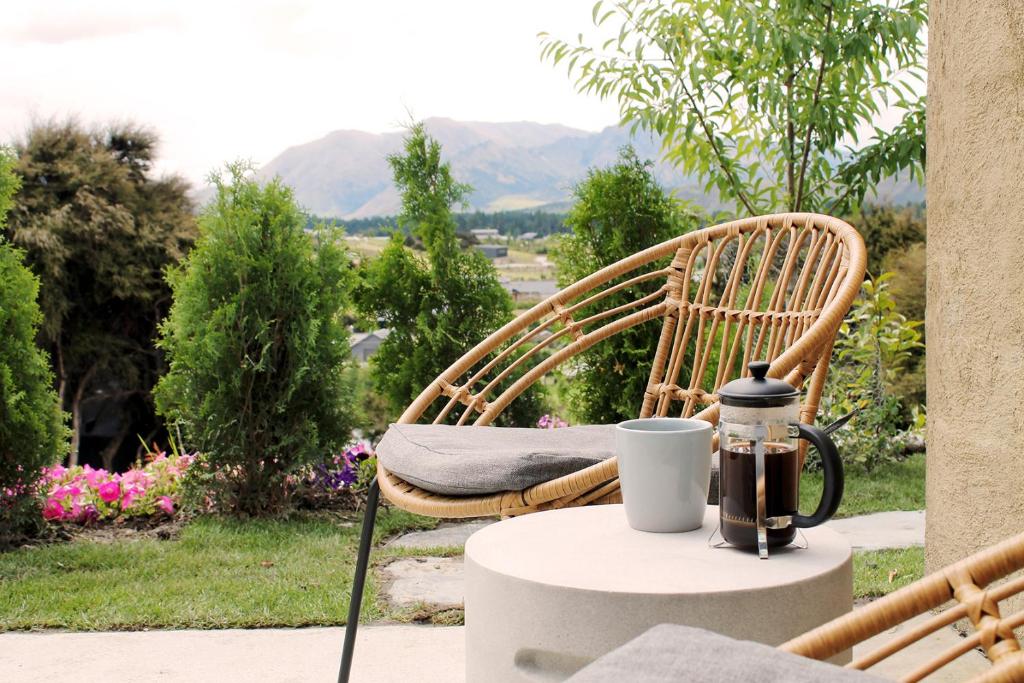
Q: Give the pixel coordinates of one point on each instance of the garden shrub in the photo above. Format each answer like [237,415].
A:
[372,412]
[909,289]
[888,229]
[437,304]
[256,344]
[872,350]
[617,212]
[32,431]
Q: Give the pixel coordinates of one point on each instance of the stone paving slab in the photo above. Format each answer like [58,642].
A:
[384,654]
[444,536]
[432,580]
[901,529]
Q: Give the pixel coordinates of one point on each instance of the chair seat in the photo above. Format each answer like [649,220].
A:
[670,653]
[468,461]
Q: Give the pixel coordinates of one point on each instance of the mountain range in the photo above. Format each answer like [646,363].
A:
[514,165]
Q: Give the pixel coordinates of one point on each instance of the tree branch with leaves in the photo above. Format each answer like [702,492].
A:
[763,100]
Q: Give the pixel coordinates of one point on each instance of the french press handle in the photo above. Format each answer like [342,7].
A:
[832,492]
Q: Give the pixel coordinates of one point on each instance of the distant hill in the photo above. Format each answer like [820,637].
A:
[511,166]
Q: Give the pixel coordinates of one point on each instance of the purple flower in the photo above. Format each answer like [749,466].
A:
[341,471]
[551,422]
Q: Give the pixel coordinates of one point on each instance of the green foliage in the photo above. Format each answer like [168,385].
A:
[872,349]
[370,406]
[908,286]
[437,307]
[256,343]
[32,433]
[886,229]
[757,98]
[98,231]
[618,211]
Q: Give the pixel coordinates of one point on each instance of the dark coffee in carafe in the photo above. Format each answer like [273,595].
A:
[738,495]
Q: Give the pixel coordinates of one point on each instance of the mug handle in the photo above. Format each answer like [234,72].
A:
[833,467]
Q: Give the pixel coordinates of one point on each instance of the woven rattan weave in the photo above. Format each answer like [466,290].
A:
[771,287]
[969,583]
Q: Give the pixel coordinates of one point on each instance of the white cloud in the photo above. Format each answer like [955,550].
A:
[227,80]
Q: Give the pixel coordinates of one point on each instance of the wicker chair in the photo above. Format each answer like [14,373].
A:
[771,287]
[968,582]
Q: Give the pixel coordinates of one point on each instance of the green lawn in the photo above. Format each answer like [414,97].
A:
[217,574]
[897,486]
[878,572]
[223,573]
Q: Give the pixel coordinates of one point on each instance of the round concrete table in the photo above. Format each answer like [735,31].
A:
[550,592]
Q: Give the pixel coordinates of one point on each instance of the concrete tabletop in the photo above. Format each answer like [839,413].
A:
[594,549]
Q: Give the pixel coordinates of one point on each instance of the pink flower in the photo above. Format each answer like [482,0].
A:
[95,477]
[57,471]
[110,491]
[136,478]
[53,509]
[165,504]
[129,499]
[61,492]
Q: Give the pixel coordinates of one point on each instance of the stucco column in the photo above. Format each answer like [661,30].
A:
[975,318]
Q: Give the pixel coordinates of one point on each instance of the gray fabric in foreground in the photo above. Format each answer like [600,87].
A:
[462,461]
[670,653]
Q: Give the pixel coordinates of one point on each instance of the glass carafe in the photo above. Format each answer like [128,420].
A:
[759,463]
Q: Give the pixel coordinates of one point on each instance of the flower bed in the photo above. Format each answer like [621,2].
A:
[83,495]
[349,472]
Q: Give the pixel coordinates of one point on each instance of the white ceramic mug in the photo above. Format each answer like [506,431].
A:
[664,472]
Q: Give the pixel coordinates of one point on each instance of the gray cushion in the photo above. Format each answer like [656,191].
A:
[670,654]
[460,461]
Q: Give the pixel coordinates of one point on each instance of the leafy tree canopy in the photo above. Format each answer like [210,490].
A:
[98,230]
[763,99]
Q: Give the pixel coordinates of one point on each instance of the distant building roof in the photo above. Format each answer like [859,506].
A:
[365,344]
[528,236]
[485,232]
[492,250]
[357,338]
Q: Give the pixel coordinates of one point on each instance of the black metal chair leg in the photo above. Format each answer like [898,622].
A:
[362,562]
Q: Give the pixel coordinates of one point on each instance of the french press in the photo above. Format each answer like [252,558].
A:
[759,461]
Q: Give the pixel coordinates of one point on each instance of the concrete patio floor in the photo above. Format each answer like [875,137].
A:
[384,654]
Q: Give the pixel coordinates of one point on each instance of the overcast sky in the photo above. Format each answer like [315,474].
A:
[226,80]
